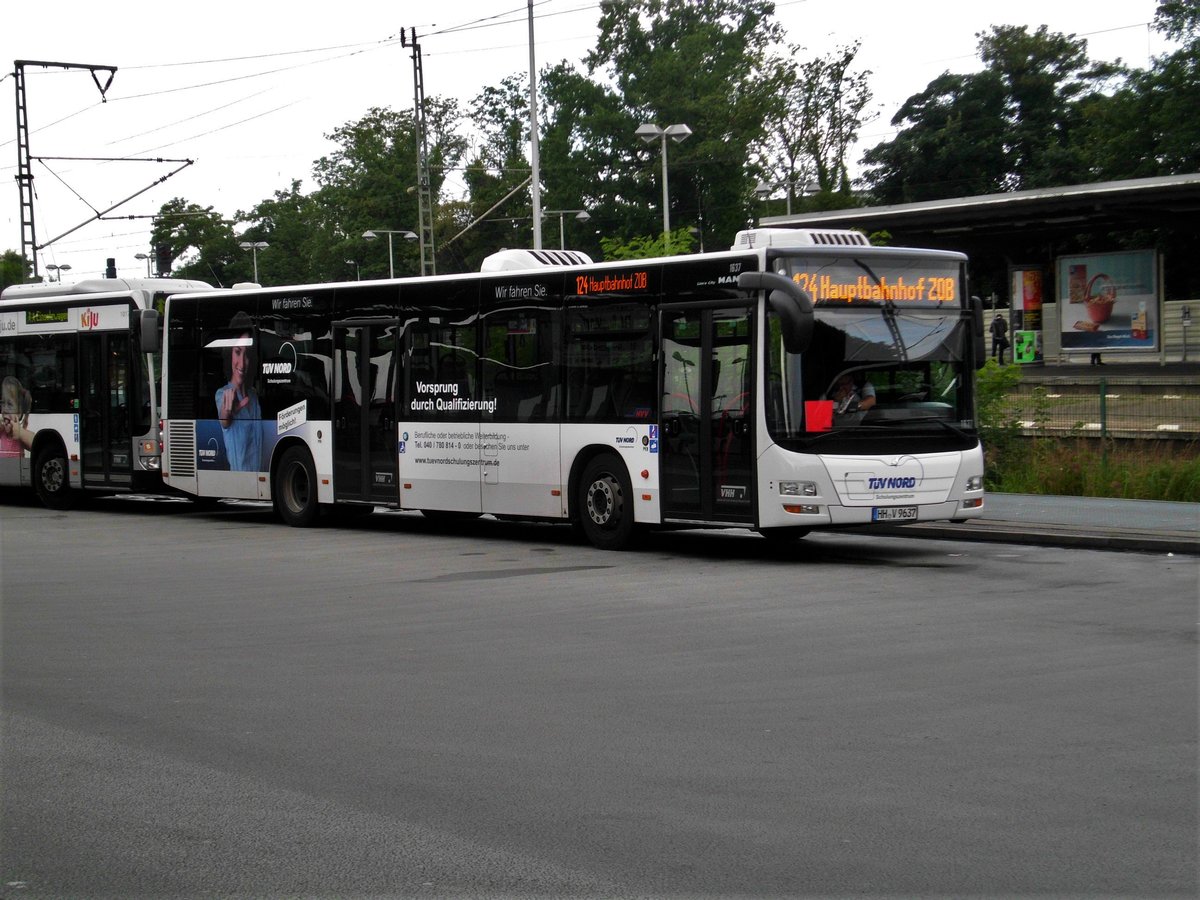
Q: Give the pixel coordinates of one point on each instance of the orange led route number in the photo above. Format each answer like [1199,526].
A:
[830,288]
[609,283]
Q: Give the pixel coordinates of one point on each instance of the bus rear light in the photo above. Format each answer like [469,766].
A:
[647,496]
[802,509]
[973,503]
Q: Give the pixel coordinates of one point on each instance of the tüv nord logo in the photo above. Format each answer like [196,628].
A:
[897,482]
[877,484]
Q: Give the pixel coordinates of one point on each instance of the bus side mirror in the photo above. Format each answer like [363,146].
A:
[981,353]
[789,301]
[149,330]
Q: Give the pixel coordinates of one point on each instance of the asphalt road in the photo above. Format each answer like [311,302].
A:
[212,704]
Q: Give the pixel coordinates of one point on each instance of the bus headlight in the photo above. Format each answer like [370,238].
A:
[975,483]
[798,488]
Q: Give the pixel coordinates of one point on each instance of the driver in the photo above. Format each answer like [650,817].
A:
[847,397]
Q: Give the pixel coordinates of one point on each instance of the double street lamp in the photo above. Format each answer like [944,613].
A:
[652,133]
[65,267]
[253,247]
[581,215]
[373,233]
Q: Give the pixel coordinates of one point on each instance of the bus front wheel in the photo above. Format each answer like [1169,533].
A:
[52,479]
[296,488]
[606,503]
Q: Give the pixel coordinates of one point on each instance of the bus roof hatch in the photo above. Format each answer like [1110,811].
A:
[799,237]
[507,260]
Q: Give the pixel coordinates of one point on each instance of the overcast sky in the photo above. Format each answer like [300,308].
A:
[248,90]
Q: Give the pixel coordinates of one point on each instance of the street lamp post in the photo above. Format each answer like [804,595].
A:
[253,247]
[581,215]
[146,257]
[651,133]
[58,270]
[373,233]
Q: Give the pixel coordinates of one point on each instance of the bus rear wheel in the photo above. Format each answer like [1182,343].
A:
[605,503]
[296,488]
[52,478]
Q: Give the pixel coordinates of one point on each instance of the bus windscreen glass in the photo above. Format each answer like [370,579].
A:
[888,359]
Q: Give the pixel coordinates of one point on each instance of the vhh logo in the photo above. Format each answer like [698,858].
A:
[89,319]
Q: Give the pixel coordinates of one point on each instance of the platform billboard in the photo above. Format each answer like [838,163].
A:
[1109,301]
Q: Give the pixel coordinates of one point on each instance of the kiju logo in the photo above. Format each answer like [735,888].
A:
[89,319]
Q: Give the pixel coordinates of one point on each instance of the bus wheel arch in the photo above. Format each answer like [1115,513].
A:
[294,485]
[51,473]
[602,505]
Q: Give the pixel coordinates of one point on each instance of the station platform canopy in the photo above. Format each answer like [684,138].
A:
[1133,204]
[1030,225]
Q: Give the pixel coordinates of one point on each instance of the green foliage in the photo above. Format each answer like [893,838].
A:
[999,429]
[648,247]
[701,63]
[1020,123]
[14,268]
[816,114]
[1083,467]
[202,241]
[1025,460]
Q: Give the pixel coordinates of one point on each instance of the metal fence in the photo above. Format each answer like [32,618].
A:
[1130,408]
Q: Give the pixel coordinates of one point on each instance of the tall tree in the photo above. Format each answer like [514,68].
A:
[1013,125]
[954,144]
[498,210]
[370,181]
[14,268]
[699,63]
[1149,126]
[201,240]
[816,118]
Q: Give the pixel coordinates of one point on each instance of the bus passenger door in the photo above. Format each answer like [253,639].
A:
[364,412]
[105,424]
[707,438]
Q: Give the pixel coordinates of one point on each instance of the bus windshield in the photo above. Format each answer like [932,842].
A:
[889,354]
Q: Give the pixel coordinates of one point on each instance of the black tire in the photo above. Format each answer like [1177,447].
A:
[785,535]
[52,478]
[295,491]
[605,503]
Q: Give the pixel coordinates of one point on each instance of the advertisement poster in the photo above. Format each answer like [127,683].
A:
[1026,319]
[1109,301]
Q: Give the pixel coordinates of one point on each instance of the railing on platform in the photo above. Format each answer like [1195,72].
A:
[1113,407]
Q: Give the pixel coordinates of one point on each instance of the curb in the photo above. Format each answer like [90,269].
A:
[1050,535]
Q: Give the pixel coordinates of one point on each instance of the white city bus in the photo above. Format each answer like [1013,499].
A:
[78,383]
[684,391]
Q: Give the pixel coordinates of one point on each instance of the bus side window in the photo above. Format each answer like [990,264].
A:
[610,364]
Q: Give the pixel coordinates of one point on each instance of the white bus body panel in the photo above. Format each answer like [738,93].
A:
[849,487]
[16,466]
[439,466]
[520,469]
[636,445]
[517,469]
[185,463]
